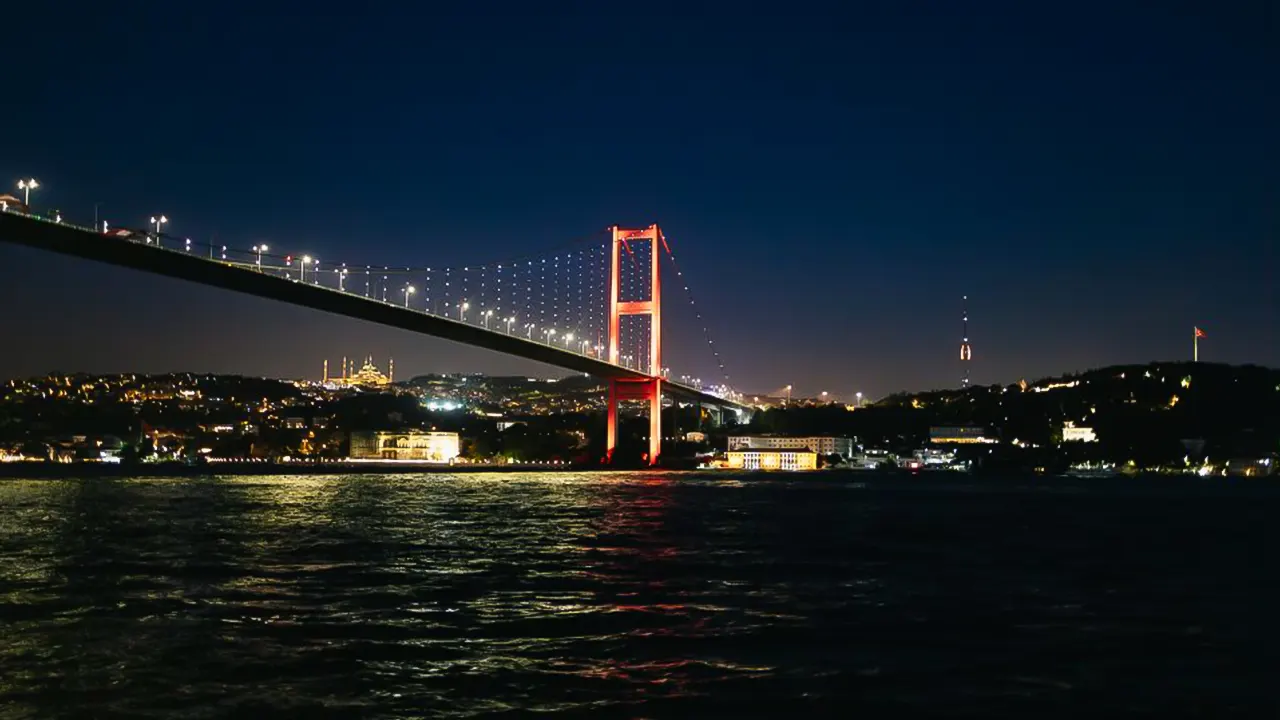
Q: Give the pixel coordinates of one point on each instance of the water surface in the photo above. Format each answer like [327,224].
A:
[637,595]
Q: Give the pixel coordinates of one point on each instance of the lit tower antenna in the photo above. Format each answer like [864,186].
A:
[966,352]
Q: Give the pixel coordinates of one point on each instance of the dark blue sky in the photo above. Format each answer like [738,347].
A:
[1097,177]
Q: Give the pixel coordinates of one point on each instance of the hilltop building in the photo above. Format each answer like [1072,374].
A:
[820,444]
[958,435]
[368,376]
[1073,433]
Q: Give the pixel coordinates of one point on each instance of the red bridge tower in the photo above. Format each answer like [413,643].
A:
[649,388]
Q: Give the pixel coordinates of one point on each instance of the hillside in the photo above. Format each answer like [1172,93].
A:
[1142,411]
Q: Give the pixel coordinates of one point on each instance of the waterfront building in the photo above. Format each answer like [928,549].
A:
[763,459]
[1250,467]
[872,459]
[437,447]
[820,444]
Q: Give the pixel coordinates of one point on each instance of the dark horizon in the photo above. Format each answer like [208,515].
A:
[1098,183]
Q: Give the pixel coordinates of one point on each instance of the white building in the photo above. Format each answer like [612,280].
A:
[437,447]
[1071,433]
[820,444]
[787,459]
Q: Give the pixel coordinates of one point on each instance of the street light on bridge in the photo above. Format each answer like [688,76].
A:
[342,276]
[302,268]
[568,338]
[26,186]
[408,290]
[510,320]
[158,221]
[529,330]
[550,333]
[487,314]
[462,311]
[259,249]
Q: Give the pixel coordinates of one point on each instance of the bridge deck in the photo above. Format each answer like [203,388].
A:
[83,243]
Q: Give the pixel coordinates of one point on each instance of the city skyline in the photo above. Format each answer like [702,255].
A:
[842,209]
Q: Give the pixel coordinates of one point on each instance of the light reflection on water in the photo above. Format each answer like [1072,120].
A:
[640,594]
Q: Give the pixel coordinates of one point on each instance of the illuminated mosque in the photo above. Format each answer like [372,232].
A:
[368,376]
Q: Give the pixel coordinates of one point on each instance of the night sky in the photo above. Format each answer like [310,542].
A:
[1098,178]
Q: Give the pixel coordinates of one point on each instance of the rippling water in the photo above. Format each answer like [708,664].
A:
[636,595]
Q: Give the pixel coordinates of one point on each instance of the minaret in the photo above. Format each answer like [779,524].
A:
[344,368]
[326,370]
[966,352]
[391,370]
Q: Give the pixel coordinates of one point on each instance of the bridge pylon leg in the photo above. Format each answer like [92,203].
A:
[649,389]
[655,421]
[645,303]
[611,432]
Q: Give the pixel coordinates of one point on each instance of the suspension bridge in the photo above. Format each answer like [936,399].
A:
[593,307]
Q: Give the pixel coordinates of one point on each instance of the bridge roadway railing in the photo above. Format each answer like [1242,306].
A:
[243,271]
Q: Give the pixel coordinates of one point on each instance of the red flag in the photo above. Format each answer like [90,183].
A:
[1199,333]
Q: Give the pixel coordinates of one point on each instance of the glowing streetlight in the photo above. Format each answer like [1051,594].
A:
[859,396]
[529,330]
[462,311]
[408,290]
[26,186]
[788,393]
[550,333]
[342,276]
[824,396]
[568,338]
[259,249]
[510,320]
[158,221]
[302,268]
[487,314]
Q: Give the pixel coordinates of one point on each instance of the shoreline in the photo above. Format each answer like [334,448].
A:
[39,470]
